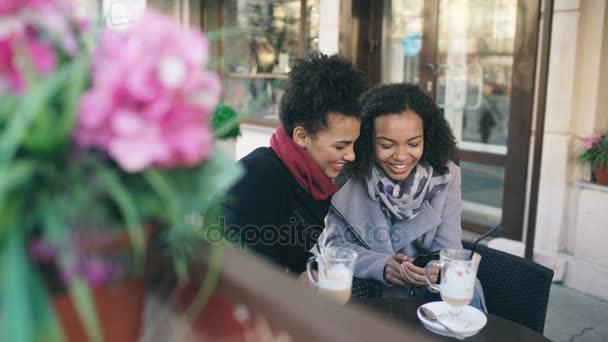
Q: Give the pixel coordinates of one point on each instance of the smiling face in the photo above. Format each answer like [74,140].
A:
[332,146]
[398,143]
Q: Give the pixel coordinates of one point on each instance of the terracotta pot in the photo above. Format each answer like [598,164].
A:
[119,311]
[601,175]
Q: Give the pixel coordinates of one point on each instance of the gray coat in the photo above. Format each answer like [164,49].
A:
[356,221]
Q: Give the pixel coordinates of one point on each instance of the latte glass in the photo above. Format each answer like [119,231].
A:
[458,276]
[335,276]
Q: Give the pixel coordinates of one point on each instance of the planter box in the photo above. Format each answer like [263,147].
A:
[119,311]
[592,224]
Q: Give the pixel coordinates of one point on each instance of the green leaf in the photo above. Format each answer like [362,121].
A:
[13,175]
[128,209]
[78,289]
[218,174]
[180,264]
[47,325]
[230,124]
[8,107]
[81,296]
[210,281]
[165,192]
[51,129]
[17,317]
[76,86]
[225,119]
[32,103]
[11,216]
[26,310]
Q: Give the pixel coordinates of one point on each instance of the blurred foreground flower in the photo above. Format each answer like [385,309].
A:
[106,135]
[151,98]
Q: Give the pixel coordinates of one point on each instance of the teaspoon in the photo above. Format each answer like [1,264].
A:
[430,315]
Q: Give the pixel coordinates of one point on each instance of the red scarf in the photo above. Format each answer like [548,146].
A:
[301,165]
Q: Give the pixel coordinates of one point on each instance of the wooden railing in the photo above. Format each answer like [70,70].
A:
[269,298]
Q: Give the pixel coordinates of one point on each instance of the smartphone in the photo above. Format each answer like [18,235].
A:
[424,259]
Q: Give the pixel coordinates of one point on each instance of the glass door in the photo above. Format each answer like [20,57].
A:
[476,57]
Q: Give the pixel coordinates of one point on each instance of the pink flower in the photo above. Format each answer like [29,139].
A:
[590,142]
[27,31]
[40,54]
[42,251]
[8,7]
[151,97]
[596,137]
[98,271]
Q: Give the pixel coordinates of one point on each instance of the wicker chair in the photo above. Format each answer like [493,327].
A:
[364,289]
[514,288]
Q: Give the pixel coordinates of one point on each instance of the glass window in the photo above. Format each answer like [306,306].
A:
[479,35]
[262,39]
[402,40]
[482,193]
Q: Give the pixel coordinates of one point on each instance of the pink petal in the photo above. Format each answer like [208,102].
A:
[127,123]
[588,143]
[94,109]
[138,152]
[43,57]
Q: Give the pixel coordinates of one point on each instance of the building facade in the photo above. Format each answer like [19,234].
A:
[572,217]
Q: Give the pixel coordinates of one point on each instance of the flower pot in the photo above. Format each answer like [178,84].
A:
[601,175]
[119,310]
[119,306]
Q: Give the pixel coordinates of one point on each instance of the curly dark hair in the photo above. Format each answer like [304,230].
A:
[319,85]
[391,99]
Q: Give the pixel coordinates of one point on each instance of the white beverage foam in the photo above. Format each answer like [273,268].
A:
[336,278]
[458,283]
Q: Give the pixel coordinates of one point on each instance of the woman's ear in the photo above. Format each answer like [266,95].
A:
[300,136]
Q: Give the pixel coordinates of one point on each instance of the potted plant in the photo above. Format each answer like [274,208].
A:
[104,137]
[596,154]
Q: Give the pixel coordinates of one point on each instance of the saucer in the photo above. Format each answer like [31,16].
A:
[477,319]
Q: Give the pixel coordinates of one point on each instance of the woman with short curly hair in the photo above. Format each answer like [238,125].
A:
[277,209]
[403,197]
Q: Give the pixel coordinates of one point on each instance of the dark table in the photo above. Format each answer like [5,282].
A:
[404,311]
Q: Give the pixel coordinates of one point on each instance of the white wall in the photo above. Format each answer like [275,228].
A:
[554,178]
[572,216]
[252,137]
[329,17]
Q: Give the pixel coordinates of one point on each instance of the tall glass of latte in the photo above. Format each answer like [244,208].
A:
[458,275]
[335,276]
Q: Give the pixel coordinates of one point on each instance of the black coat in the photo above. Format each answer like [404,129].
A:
[272,214]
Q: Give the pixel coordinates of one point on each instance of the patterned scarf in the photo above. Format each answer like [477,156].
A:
[404,200]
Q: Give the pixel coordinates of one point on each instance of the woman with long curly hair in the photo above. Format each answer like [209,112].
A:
[403,197]
[277,209]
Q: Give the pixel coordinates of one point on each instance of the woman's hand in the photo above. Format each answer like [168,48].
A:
[392,269]
[415,275]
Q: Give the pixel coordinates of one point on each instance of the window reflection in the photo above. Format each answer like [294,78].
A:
[481,33]
[482,193]
[263,39]
[402,40]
